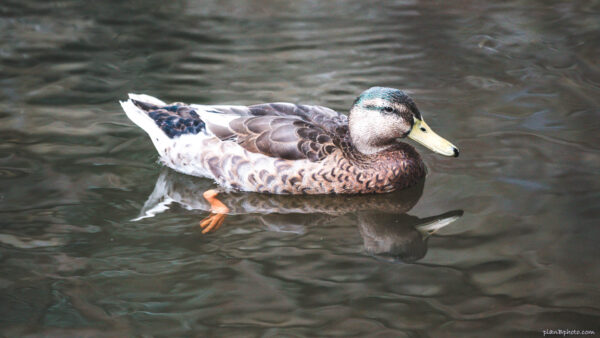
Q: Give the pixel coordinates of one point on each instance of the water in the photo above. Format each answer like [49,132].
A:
[499,242]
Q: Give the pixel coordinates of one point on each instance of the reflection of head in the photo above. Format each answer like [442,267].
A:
[402,237]
[392,235]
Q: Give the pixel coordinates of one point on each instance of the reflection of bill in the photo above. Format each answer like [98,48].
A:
[385,227]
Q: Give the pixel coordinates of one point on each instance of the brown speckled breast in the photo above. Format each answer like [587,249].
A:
[396,168]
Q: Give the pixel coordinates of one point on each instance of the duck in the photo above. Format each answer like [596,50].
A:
[290,149]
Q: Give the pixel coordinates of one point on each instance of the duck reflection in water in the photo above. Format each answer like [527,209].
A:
[386,228]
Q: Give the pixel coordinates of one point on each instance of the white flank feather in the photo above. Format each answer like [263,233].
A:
[208,115]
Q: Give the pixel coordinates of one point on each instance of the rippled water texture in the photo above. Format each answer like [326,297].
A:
[501,241]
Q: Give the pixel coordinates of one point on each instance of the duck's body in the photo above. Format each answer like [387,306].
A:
[285,148]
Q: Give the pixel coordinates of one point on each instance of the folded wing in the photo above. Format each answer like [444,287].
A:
[280,130]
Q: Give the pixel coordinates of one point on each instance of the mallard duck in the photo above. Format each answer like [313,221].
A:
[285,148]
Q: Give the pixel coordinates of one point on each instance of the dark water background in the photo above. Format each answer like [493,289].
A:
[515,84]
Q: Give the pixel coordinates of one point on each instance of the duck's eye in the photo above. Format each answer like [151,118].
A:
[388,109]
[423,129]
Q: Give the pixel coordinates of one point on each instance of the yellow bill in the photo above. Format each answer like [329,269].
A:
[424,135]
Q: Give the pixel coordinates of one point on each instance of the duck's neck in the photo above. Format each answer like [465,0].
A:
[370,146]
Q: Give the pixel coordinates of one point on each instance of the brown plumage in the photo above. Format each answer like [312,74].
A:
[287,131]
[286,148]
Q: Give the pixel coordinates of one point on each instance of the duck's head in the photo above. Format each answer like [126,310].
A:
[380,116]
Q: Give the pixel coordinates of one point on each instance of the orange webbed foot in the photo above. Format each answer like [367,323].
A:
[218,212]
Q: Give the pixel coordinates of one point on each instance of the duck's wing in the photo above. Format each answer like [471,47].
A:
[281,130]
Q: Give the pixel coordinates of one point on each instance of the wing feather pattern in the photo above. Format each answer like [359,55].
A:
[283,130]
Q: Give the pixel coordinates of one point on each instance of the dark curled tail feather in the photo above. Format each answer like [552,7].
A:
[144,106]
[174,120]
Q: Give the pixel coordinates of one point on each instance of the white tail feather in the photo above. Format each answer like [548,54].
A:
[139,117]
